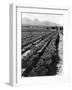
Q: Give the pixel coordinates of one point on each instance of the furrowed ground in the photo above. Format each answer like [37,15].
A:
[39,51]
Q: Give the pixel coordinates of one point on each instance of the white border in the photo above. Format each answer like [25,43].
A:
[12,45]
[16,78]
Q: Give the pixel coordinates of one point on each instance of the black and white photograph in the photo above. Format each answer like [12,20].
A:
[41,44]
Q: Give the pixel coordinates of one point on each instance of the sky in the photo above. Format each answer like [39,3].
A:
[58,19]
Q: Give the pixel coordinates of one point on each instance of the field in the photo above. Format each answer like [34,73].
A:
[39,51]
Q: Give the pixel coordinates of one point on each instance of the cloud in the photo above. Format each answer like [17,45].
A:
[27,21]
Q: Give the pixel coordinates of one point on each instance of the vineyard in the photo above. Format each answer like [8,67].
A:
[39,52]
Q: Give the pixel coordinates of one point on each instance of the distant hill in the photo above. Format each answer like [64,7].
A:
[27,21]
